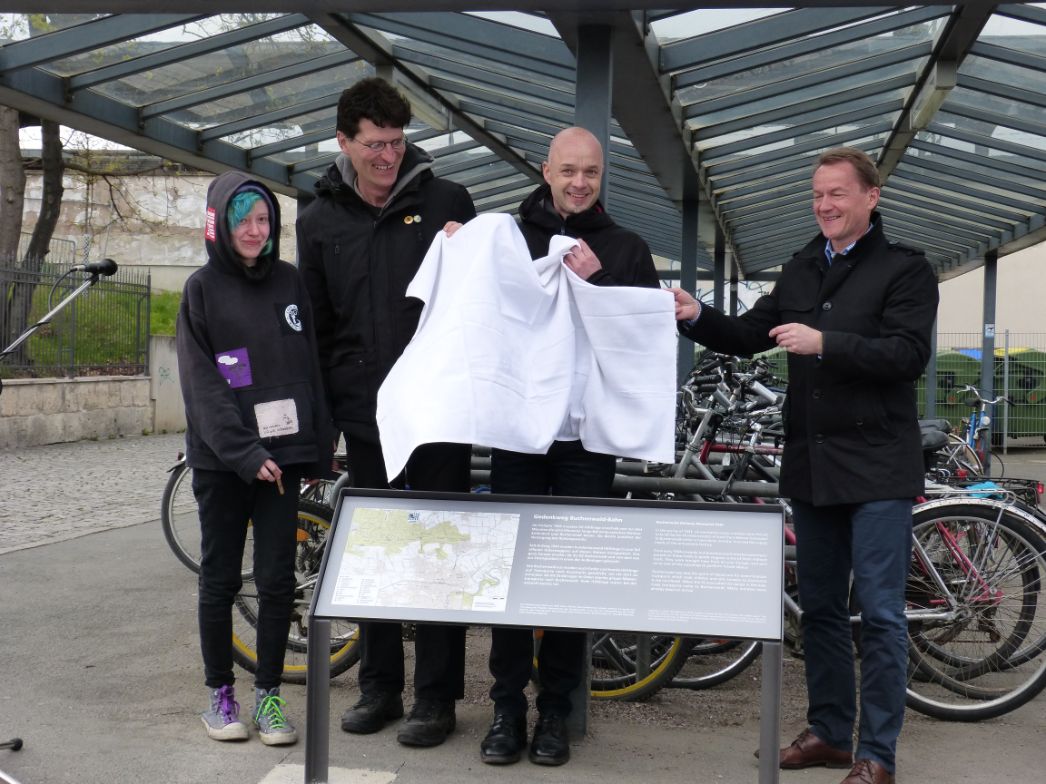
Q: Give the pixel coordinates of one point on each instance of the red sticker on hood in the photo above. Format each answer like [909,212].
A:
[210,231]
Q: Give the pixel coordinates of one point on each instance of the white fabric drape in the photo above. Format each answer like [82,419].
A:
[517,353]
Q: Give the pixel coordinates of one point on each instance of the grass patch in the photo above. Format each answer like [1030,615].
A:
[99,333]
[164,306]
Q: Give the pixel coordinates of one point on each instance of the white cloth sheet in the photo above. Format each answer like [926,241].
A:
[517,353]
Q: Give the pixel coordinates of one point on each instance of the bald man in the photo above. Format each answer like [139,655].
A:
[605,255]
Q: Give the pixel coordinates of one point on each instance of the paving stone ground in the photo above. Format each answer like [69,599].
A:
[62,491]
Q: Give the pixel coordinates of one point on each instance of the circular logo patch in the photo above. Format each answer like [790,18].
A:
[291,314]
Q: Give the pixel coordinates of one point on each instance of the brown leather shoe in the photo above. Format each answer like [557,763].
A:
[866,771]
[809,750]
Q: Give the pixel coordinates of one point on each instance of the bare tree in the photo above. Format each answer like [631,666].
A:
[12,198]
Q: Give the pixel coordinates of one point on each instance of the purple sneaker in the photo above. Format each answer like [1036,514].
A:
[223,719]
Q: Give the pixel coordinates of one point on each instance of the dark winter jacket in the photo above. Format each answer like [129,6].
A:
[851,430]
[247,355]
[357,261]
[623,254]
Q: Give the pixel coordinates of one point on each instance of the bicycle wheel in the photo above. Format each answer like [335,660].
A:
[977,628]
[632,667]
[314,522]
[179,517]
[715,661]
[180,521]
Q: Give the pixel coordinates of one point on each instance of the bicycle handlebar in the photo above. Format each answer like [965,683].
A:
[977,396]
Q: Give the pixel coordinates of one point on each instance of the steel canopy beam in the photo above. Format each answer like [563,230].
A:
[936,80]
[378,51]
[183,52]
[86,37]
[642,109]
[44,95]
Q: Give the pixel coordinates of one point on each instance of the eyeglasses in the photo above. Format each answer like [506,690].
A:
[397,145]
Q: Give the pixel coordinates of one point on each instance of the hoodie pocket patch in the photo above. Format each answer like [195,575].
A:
[277,418]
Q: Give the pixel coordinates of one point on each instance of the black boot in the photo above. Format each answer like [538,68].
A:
[429,723]
[551,744]
[505,740]
[372,712]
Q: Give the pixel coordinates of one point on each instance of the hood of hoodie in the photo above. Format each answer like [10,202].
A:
[340,179]
[218,237]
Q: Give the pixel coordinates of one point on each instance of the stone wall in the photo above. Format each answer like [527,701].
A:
[37,411]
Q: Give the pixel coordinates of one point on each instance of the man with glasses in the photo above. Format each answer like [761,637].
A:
[360,242]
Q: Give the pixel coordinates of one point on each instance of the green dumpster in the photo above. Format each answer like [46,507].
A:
[1023,377]
[955,369]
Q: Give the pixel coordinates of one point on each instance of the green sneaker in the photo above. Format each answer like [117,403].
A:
[223,719]
[274,728]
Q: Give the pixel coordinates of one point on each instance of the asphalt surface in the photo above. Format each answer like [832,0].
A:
[102,680]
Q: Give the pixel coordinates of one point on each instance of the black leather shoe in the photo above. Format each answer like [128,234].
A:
[429,723]
[372,712]
[551,744]
[505,740]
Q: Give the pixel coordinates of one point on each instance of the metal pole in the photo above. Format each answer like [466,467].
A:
[770,713]
[930,395]
[1006,391]
[991,269]
[592,89]
[317,702]
[687,273]
[719,268]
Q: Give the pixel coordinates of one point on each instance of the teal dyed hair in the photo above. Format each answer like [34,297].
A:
[240,206]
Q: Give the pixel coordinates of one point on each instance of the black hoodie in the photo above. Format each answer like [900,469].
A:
[247,354]
[624,256]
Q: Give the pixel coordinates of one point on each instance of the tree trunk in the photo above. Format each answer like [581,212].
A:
[12,196]
[51,202]
[50,208]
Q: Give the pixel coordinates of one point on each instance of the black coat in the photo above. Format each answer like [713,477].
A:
[357,262]
[851,422]
[623,254]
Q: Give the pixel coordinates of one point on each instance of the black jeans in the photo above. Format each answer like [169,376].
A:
[439,649]
[567,469]
[226,505]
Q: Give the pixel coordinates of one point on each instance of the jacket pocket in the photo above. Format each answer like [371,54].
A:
[353,388]
[871,419]
[796,305]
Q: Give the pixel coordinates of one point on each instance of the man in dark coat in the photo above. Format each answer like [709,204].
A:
[360,243]
[605,255]
[855,314]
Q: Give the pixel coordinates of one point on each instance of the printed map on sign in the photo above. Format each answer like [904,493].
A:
[440,560]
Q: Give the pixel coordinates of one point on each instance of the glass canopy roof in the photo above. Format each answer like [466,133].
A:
[722,109]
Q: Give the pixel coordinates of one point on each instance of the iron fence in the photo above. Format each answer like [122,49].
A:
[105,331]
[1019,373]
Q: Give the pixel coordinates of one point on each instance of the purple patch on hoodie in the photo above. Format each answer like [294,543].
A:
[235,367]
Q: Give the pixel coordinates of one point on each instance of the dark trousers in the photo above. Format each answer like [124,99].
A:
[439,649]
[226,504]
[874,540]
[567,469]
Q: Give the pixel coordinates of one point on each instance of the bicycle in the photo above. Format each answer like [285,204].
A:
[977,630]
[975,430]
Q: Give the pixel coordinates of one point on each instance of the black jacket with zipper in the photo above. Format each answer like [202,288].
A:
[357,261]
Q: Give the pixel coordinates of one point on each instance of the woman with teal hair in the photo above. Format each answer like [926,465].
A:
[257,424]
